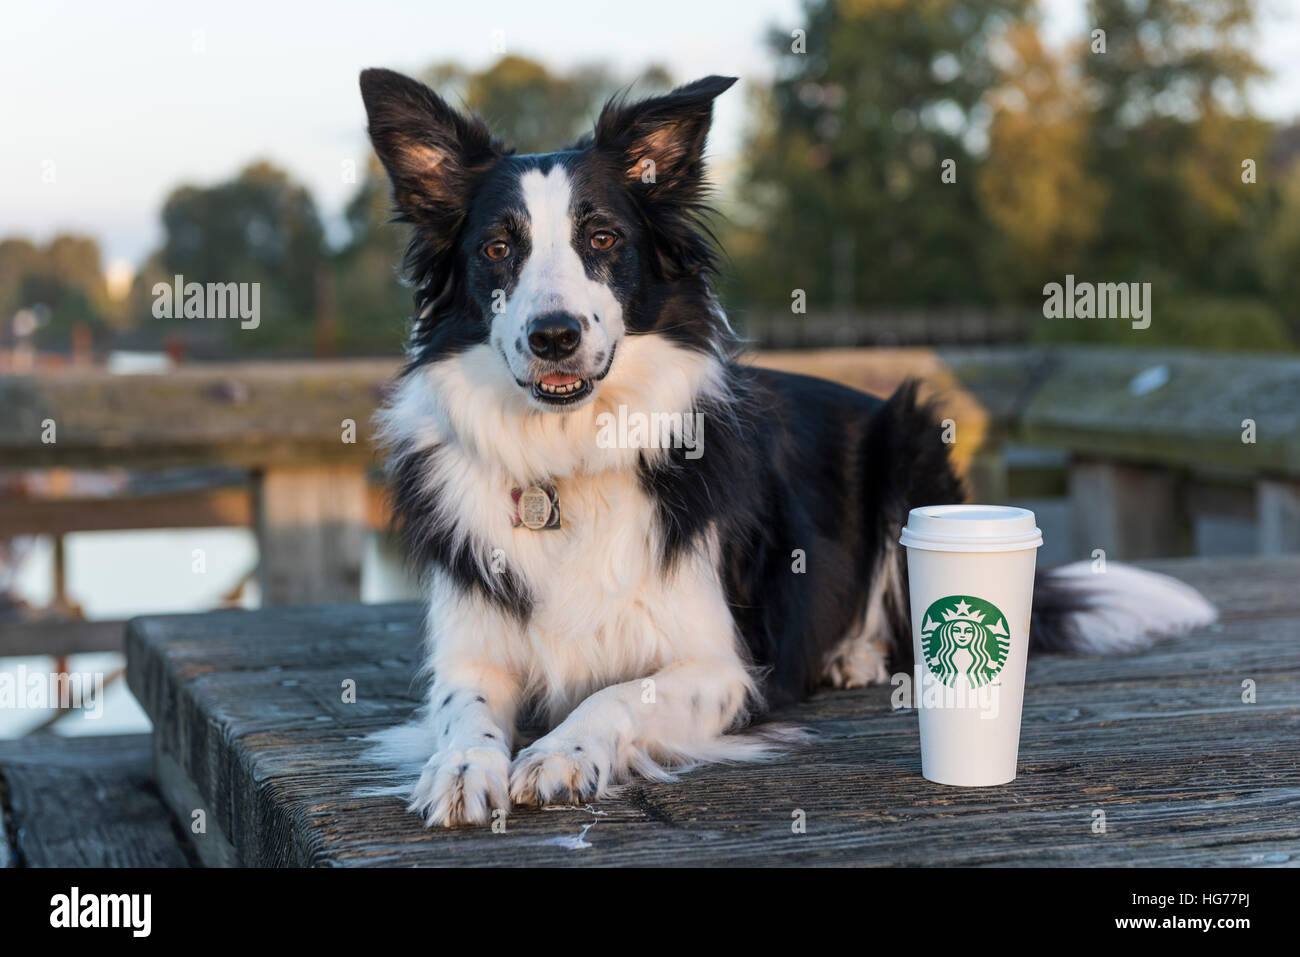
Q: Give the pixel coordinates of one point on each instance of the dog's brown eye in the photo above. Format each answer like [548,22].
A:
[603,240]
[497,250]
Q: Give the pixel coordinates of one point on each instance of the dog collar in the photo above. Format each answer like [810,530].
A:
[536,507]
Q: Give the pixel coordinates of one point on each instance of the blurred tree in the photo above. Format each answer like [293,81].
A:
[1170,125]
[62,282]
[1034,186]
[1119,158]
[18,258]
[258,227]
[532,108]
[371,303]
[843,194]
[1281,252]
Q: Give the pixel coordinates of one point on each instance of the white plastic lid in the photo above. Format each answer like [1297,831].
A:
[971,528]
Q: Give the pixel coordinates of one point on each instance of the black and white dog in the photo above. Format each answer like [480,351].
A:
[639,594]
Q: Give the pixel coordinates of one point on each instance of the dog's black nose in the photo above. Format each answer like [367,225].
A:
[554,335]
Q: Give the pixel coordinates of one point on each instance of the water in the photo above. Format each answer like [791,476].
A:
[117,575]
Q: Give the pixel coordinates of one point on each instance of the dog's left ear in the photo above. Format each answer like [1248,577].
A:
[434,154]
[659,142]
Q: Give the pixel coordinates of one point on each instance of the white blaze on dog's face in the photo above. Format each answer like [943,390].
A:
[550,260]
[557,316]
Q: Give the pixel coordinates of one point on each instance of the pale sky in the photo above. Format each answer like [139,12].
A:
[121,101]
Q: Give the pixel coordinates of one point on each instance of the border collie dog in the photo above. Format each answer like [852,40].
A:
[638,599]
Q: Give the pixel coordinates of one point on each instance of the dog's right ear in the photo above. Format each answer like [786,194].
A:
[434,154]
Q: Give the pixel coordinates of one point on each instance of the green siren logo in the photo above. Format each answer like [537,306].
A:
[961,635]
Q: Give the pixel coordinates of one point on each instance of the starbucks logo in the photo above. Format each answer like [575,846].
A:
[961,635]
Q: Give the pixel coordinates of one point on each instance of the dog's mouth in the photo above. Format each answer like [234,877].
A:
[565,388]
[561,389]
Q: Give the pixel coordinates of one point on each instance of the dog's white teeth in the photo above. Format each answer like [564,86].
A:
[560,389]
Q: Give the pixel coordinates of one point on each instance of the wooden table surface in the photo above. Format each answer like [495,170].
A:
[251,728]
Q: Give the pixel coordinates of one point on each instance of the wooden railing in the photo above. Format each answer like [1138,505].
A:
[891,328]
[1150,440]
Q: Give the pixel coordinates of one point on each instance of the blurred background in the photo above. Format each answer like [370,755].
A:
[897,182]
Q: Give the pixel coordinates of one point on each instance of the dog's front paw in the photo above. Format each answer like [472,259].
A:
[555,772]
[462,787]
[857,665]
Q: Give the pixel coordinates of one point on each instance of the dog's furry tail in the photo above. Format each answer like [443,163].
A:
[1122,609]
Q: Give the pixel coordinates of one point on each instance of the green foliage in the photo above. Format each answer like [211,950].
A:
[533,109]
[842,190]
[1115,166]
[1215,324]
[370,302]
[62,283]
[260,227]
[1280,253]
[1169,127]
[1122,165]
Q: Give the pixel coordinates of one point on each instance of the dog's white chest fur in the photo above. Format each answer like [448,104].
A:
[603,609]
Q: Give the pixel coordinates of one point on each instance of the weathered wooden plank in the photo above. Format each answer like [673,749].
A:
[248,707]
[302,651]
[1244,587]
[202,508]
[861,806]
[1127,511]
[311,531]
[86,802]
[197,508]
[249,414]
[1279,516]
[1157,405]
[59,636]
[203,836]
[8,858]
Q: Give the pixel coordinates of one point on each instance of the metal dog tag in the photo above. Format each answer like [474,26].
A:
[536,507]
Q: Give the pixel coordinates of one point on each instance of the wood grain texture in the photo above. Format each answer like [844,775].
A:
[311,533]
[257,414]
[249,707]
[85,802]
[59,636]
[1193,417]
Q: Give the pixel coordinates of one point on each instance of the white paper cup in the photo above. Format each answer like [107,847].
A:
[970,572]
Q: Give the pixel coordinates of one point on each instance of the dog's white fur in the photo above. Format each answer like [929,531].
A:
[637,667]
[554,279]
[642,669]
[1132,607]
[639,670]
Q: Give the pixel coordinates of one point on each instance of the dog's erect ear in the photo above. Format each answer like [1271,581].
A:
[434,154]
[660,141]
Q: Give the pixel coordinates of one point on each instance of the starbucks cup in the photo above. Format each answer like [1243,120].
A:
[970,571]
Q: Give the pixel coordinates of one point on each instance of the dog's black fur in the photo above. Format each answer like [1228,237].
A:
[798,470]
[796,463]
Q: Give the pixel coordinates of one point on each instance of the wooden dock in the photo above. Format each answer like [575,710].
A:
[85,802]
[1155,759]
[1158,451]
